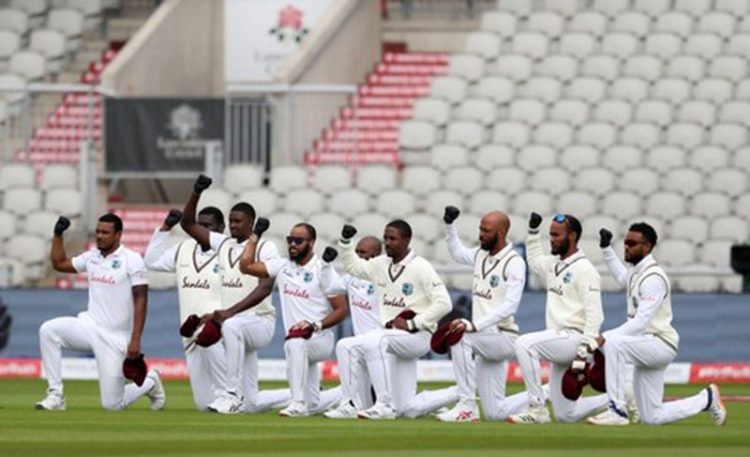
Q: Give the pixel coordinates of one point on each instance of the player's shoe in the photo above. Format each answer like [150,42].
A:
[343,411]
[464,411]
[631,405]
[157,395]
[227,403]
[532,415]
[378,411]
[608,417]
[54,401]
[716,405]
[295,409]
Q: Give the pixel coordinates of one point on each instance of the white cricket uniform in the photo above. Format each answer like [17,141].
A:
[364,309]
[573,316]
[646,340]
[390,354]
[199,291]
[304,299]
[245,333]
[104,328]
[480,359]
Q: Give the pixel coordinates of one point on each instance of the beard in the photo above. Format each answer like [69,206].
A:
[562,249]
[633,259]
[301,254]
[489,244]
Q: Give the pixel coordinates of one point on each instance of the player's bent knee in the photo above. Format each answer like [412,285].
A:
[109,405]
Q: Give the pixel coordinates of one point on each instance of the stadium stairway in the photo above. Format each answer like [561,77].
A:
[367,130]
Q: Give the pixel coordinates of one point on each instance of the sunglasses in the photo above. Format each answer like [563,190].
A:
[631,243]
[560,218]
[297,240]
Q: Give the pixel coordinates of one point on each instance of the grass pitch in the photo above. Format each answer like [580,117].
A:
[84,429]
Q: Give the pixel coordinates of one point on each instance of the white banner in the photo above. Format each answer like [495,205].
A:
[260,34]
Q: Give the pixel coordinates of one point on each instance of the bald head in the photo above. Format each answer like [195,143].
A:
[368,247]
[493,229]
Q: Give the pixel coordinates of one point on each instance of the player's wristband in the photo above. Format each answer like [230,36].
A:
[582,351]
[411,326]
[318,326]
[470,327]
[592,345]
[578,365]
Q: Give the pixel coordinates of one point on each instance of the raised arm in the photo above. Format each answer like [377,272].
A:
[616,267]
[60,261]
[158,257]
[353,264]
[534,253]
[249,263]
[330,281]
[514,285]
[189,222]
[457,250]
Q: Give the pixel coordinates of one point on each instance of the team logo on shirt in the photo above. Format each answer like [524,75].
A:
[494,280]
[370,289]
[216,268]
[308,277]
[568,278]
[407,288]
[116,264]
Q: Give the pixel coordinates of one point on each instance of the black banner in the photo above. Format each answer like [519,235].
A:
[160,134]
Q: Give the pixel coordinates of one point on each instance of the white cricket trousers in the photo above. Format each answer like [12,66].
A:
[207,370]
[355,381]
[391,357]
[480,362]
[302,357]
[559,348]
[243,335]
[649,356]
[81,334]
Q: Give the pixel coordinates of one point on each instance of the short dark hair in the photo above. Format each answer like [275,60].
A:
[309,228]
[246,208]
[575,226]
[402,226]
[112,219]
[213,212]
[646,230]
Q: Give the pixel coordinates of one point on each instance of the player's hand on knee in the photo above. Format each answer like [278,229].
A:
[330,254]
[535,220]
[202,183]
[348,232]
[173,217]
[451,214]
[605,238]
[134,349]
[261,225]
[62,224]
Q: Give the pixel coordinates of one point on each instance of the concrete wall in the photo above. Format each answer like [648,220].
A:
[178,52]
[433,35]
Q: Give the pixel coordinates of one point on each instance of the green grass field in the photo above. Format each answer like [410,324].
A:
[84,429]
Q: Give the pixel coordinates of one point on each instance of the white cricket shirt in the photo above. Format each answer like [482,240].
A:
[364,306]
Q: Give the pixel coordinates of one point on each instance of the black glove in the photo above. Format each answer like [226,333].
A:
[261,225]
[173,218]
[202,183]
[348,232]
[329,255]
[451,214]
[605,238]
[61,225]
[534,220]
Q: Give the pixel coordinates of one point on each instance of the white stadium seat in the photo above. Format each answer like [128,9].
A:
[529,201]
[577,157]
[653,8]
[510,180]
[619,44]
[29,64]
[730,181]
[417,135]
[589,22]
[485,201]
[664,158]
[281,224]
[286,178]
[349,203]
[742,205]
[699,112]
[15,20]
[590,246]
[714,90]
[709,158]
[663,45]
[478,110]
[570,111]
[10,42]
[396,203]
[562,7]
[374,179]
[632,22]
[427,226]
[676,22]
[741,159]
[739,45]
[520,8]
[466,66]
[552,180]
[495,88]
[688,136]
[691,68]
[597,181]
[590,90]
[667,205]
[596,222]
[16,175]
[31,250]
[327,224]
[578,45]
[514,67]
[729,228]
[687,181]
[642,181]
[642,135]
[599,135]
[464,180]
[703,45]
[59,176]
[213,196]
[8,225]
[70,22]
[620,204]
[22,200]
[52,45]
[744,25]
[611,7]
[600,66]
[464,133]
[695,8]
[716,22]
[553,134]
[535,156]
[562,67]
[513,134]
[632,90]
[35,10]
[732,68]
[675,253]
[672,90]
[691,228]
[739,8]
[581,204]
[542,88]
[620,158]
[615,112]
[449,88]
[437,201]
[447,156]
[304,202]
[39,223]
[420,180]
[710,204]
[434,110]
[528,111]
[643,66]
[69,202]
[239,177]
[547,23]
[329,178]
[484,44]
[533,45]
[490,156]
[735,111]
[716,253]
[263,200]
[370,224]
[91,10]
[468,227]
[729,136]
[653,112]
[498,22]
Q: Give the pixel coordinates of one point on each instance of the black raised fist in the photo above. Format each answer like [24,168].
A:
[261,225]
[451,214]
[202,183]
[61,225]
[348,232]
[535,220]
[605,238]
[330,254]
[173,218]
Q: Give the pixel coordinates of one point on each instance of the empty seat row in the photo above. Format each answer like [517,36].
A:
[611,8]
[23,200]
[53,176]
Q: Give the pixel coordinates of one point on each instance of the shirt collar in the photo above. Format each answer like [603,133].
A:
[643,264]
[408,258]
[500,255]
[309,265]
[114,253]
[576,255]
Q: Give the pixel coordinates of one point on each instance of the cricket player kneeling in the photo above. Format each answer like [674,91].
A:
[112,326]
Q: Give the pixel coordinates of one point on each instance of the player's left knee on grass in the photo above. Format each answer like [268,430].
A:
[112,405]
